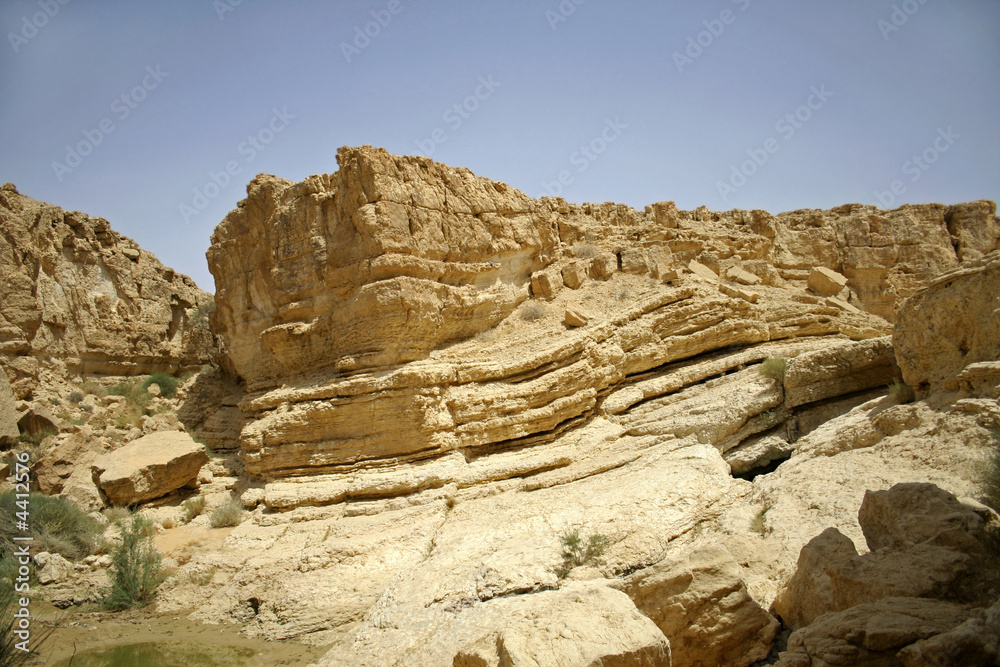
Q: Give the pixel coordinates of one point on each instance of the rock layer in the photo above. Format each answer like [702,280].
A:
[76,297]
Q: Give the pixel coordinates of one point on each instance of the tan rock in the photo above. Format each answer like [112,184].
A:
[575,317]
[826,282]
[699,602]
[737,274]
[164,421]
[871,634]
[974,228]
[950,324]
[53,568]
[909,514]
[739,293]
[702,271]
[635,261]
[545,284]
[574,274]
[602,267]
[8,413]
[150,467]
[974,642]
[840,369]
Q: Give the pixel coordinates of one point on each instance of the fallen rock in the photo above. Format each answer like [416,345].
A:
[739,293]
[164,421]
[826,282]
[950,324]
[702,271]
[737,274]
[545,284]
[575,317]
[602,267]
[699,602]
[150,467]
[635,261]
[908,514]
[871,634]
[54,568]
[573,275]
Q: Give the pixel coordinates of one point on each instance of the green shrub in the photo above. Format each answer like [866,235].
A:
[576,551]
[229,513]
[117,514]
[135,567]
[533,311]
[168,384]
[774,368]
[10,654]
[56,524]
[989,478]
[74,397]
[901,392]
[193,507]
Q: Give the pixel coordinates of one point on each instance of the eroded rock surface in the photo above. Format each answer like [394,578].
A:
[150,467]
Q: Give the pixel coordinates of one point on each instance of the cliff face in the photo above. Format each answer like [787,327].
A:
[369,311]
[76,297]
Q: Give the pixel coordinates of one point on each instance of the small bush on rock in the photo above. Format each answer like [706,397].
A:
[576,551]
[533,311]
[229,513]
[135,566]
[167,383]
[774,368]
[193,507]
[56,524]
[901,392]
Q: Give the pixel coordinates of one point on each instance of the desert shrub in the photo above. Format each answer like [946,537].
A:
[200,315]
[74,397]
[989,477]
[901,392]
[229,513]
[193,507]
[576,551]
[55,401]
[91,387]
[135,566]
[774,368]
[57,525]
[533,311]
[585,251]
[168,384]
[133,392]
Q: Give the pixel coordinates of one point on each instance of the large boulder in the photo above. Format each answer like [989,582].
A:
[951,324]
[700,603]
[840,369]
[150,467]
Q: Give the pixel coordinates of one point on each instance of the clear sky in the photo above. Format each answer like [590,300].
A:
[155,115]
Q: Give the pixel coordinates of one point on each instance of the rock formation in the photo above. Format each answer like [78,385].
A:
[445,378]
[150,467]
[77,298]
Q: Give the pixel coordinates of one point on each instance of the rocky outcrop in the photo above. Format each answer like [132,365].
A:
[78,298]
[150,467]
[9,414]
[953,323]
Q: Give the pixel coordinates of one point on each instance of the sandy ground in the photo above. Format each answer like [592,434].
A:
[84,631]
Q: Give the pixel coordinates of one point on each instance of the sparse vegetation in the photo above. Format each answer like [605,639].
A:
[117,514]
[989,478]
[193,507]
[229,513]
[200,315]
[757,523]
[533,311]
[57,525]
[91,387]
[576,551]
[74,397]
[585,251]
[135,566]
[167,383]
[901,392]
[774,368]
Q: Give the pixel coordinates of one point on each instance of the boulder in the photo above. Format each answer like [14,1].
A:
[699,602]
[574,274]
[545,284]
[635,261]
[53,568]
[575,317]
[869,635]
[909,514]
[702,271]
[9,432]
[950,324]
[602,267]
[737,274]
[974,642]
[826,282]
[150,467]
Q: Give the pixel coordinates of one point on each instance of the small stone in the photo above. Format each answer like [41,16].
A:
[575,317]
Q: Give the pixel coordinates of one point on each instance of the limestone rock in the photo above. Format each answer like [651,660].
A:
[602,267]
[210,409]
[973,227]
[635,261]
[700,603]
[702,271]
[573,275]
[737,274]
[840,369]
[952,323]
[739,293]
[826,282]
[150,467]
[545,284]
[53,568]
[8,413]
[974,642]
[575,317]
[72,297]
[871,634]
[909,514]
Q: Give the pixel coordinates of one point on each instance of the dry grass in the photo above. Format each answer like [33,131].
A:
[901,392]
[193,507]
[533,311]
[774,368]
[229,513]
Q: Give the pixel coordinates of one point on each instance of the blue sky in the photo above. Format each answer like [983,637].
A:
[156,115]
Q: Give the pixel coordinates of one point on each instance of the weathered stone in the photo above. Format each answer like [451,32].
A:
[53,568]
[602,267]
[840,369]
[8,413]
[635,261]
[574,274]
[950,324]
[909,514]
[702,271]
[150,467]
[739,293]
[826,282]
[699,602]
[545,284]
[871,634]
[974,642]
[575,317]
[743,277]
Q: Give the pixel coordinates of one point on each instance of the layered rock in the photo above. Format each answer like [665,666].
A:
[150,467]
[78,298]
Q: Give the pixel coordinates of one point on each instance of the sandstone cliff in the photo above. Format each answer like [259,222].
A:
[447,380]
[78,298]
